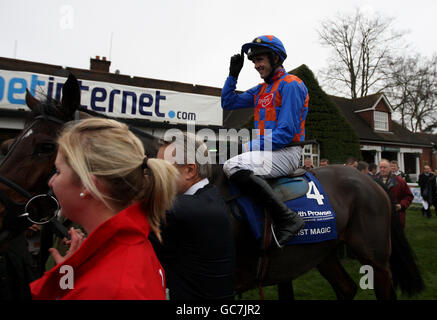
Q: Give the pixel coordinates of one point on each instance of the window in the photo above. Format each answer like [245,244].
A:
[381,121]
[310,151]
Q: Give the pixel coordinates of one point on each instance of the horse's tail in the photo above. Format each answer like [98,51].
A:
[405,272]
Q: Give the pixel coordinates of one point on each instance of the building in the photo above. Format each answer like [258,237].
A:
[381,137]
[432,138]
[152,105]
[339,127]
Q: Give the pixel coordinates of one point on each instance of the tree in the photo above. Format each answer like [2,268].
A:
[361,47]
[411,86]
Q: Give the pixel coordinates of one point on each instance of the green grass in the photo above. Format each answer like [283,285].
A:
[422,236]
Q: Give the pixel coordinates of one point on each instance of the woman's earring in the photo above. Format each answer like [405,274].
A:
[81,194]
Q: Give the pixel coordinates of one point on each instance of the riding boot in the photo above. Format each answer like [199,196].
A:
[286,222]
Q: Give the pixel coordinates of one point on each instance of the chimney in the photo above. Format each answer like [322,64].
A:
[99,65]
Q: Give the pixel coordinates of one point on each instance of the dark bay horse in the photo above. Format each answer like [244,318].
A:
[366,220]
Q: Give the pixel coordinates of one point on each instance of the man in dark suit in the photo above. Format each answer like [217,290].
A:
[197,251]
[427,183]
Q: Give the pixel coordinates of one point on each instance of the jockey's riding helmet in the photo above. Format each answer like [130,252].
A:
[265,44]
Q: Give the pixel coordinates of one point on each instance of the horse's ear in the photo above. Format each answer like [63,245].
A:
[31,101]
[71,95]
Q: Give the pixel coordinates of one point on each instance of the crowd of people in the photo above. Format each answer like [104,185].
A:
[390,176]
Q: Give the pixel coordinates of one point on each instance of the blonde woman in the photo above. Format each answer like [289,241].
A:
[104,183]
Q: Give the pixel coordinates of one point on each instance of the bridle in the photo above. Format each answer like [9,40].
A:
[10,205]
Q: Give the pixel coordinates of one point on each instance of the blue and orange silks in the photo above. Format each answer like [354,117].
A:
[280,105]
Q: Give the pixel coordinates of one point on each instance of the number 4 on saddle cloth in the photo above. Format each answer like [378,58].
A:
[303,194]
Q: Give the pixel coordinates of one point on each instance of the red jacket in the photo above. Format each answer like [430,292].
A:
[116,261]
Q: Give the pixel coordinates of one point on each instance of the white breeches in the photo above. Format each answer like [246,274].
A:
[267,164]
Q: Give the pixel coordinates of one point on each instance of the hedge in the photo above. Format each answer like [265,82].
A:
[326,124]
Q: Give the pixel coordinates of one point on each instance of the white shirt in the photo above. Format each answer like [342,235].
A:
[199,185]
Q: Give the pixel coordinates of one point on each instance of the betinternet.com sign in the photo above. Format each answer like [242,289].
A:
[114,100]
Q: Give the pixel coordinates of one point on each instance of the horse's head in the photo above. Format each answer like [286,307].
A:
[30,157]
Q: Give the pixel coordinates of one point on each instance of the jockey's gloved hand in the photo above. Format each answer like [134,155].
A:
[236,64]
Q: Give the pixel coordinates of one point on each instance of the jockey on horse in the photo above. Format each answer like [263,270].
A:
[281,106]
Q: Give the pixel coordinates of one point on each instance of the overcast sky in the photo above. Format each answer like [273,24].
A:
[188,41]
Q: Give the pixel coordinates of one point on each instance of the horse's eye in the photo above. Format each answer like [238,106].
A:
[45,148]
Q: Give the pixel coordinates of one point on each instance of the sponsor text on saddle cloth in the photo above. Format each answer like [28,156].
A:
[312,205]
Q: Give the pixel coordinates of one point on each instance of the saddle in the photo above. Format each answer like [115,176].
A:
[290,187]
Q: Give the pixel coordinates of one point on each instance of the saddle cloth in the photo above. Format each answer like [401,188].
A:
[302,194]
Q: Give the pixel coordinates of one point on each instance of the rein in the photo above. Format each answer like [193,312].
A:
[14,187]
